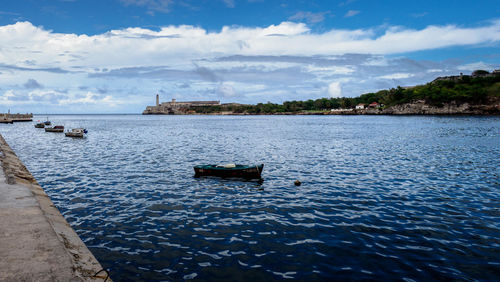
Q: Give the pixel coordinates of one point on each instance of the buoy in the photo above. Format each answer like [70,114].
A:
[297,183]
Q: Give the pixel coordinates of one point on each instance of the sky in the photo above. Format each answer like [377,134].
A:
[114,56]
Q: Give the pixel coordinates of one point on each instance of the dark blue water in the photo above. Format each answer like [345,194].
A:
[382,197]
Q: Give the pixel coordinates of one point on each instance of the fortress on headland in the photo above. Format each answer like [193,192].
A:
[176,108]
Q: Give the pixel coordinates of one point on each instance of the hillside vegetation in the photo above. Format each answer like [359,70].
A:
[479,89]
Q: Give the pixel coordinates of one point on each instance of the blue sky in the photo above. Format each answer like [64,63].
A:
[113,56]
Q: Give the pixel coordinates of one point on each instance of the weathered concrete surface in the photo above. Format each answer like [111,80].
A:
[36,242]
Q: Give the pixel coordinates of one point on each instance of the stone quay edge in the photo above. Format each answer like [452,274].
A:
[36,242]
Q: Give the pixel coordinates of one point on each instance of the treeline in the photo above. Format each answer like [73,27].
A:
[466,89]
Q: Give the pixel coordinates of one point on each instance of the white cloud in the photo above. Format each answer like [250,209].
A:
[32,83]
[330,70]
[309,16]
[229,3]
[287,61]
[283,29]
[396,76]
[341,4]
[476,66]
[335,90]
[151,5]
[226,90]
[419,15]
[90,98]
[377,61]
[6,98]
[351,13]
[180,44]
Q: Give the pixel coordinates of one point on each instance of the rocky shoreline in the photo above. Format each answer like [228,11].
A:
[421,108]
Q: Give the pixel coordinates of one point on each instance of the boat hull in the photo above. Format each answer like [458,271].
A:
[239,171]
[76,132]
[54,129]
[74,135]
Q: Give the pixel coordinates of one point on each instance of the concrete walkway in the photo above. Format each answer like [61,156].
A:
[36,242]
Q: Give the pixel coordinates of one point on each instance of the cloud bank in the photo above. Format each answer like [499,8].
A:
[41,68]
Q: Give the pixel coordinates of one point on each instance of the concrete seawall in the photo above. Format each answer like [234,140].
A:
[36,242]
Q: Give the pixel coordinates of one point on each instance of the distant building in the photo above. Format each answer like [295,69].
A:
[174,107]
[374,105]
[360,106]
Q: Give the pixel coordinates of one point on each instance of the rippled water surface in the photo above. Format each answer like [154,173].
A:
[382,197]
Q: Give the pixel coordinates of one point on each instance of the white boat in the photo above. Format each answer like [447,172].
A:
[76,132]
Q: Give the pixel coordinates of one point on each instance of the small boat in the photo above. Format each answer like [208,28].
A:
[76,132]
[57,128]
[229,170]
[47,122]
[40,125]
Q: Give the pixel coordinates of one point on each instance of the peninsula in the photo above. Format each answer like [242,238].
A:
[474,94]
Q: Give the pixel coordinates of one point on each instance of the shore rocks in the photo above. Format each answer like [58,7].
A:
[421,108]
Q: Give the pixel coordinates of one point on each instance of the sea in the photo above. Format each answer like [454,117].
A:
[382,197]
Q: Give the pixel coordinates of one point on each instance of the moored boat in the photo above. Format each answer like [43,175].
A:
[230,170]
[76,132]
[40,125]
[57,128]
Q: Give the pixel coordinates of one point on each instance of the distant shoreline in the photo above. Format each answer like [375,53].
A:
[418,108]
[475,94]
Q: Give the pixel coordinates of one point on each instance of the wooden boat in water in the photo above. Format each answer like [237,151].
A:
[57,128]
[76,132]
[229,170]
[40,125]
